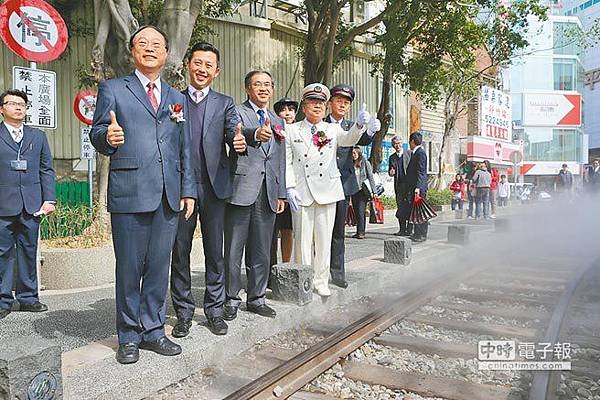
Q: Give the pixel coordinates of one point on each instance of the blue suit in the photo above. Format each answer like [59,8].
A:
[416,177]
[149,174]
[346,167]
[22,193]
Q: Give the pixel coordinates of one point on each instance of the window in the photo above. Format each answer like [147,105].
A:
[564,78]
[565,41]
[564,146]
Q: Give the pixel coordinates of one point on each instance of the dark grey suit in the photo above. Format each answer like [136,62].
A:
[258,182]
[22,193]
[213,173]
[149,174]
[346,167]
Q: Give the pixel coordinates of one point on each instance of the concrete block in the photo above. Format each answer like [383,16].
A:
[292,283]
[397,251]
[30,368]
[458,234]
[502,224]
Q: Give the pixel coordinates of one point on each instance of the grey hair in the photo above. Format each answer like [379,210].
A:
[396,138]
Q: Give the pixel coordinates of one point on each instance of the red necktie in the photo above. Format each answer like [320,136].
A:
[151,96]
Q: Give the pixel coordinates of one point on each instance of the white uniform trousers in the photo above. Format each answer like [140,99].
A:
[314,225]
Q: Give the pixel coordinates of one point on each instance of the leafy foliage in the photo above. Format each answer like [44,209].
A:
[439,197]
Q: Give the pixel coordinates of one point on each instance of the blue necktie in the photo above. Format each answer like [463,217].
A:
[313,129]
[261,117]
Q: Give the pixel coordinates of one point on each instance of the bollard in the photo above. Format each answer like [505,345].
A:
[502,225]
[292,283]
[458,234]
[397,251]
[30,369]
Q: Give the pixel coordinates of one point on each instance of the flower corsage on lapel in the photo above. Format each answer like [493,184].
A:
[278,132]
[320,139]
[176,112]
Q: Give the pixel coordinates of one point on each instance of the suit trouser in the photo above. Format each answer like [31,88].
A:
[338,248]
[181,279]
[359,203]
[314,225]
[21,230]
[403,213]
[142,243]
[212,220]
[249,228]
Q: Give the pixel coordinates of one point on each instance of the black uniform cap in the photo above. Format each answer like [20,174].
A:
[343,90]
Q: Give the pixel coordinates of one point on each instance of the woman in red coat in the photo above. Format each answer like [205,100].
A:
[458,188]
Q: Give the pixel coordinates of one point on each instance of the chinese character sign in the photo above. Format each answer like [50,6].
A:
[495,114]
[33,29]
[40,87]
[87,150]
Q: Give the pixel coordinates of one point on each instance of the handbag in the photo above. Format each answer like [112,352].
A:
[350,216]
[376,211]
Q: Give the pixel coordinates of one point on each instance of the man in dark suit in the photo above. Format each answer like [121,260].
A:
[258,194]
[397,166]
[26,192]
[340,103]
[416,177]
[593,176]
[213,123]
[138,123]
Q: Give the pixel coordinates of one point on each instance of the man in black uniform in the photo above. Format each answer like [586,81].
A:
[340,103]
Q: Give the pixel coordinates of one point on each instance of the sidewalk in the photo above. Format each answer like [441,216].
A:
[82,322]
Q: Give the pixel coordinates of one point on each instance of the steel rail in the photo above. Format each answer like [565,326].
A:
[286,379]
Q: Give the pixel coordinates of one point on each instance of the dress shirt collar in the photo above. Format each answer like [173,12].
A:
[192,91]
[144,80]
[256,108]
[11,130]
[334,121]
[416,148]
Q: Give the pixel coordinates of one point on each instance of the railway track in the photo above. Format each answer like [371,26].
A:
[524,305]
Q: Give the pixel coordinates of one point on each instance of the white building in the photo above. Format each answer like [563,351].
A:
[588,12]
[546,83]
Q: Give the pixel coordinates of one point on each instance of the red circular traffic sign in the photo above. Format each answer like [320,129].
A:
[85,105]
[33,29]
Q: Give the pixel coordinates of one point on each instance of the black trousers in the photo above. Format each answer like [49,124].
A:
[403,212]
[338,248]
[359,203]
[211,212]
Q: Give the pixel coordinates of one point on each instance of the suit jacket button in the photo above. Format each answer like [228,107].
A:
[306,155]
[159,159]
[320,164]
[306,165]
[320,174]
[262,173]
[321,153]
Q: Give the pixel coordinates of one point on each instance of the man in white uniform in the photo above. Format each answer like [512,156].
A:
[313,179]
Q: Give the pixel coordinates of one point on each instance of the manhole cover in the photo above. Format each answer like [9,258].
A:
[42,387]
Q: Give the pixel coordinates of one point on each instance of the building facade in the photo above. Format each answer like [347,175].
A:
[546,84]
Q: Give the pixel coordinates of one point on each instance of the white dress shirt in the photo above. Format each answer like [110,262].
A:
[198,95]
[15,133]
[144,80]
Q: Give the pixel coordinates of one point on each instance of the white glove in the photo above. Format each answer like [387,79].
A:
[373,126]
[293,198]
[363,117]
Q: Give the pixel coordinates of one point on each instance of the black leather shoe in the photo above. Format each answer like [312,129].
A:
[418,239]
[358,236]
[340,283]
[262,310]
[402,233]
[35,307]
[4,313]
[229,312]
[162,346]
[217,325]
[181,328]
[128,353]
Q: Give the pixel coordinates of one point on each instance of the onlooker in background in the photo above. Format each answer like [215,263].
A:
[493,186]
[286,108]
[458,188]
[564,180]
[26,192]
[398,163]
[363,172]
[482,180]
[471,187]
[593,176]
[503,191]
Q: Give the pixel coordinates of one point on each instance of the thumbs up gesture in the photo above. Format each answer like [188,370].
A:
[239,141]
[115,135]
[363,115]
[265,132]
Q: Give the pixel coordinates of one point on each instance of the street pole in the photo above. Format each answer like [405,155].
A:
[38,262]
[90,178]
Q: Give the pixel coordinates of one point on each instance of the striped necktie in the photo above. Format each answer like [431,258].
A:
[151,95]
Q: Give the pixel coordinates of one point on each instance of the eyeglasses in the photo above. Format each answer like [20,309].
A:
[142,44]
[16,104]
[262,84]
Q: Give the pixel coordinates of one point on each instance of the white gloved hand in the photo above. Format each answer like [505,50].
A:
[373,126]
[293,198]
[363,115]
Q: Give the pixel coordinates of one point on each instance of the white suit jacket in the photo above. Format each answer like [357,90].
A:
[313,172]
